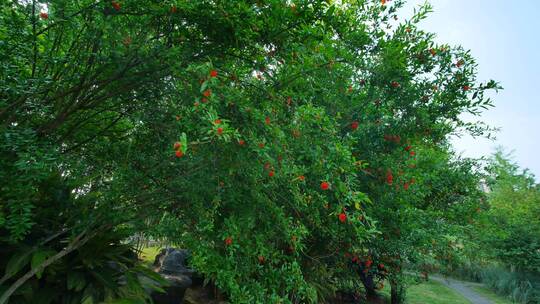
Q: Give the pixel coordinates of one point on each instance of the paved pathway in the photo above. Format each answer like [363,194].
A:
[463,289]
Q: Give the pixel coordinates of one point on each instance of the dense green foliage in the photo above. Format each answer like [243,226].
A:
[502,250]
[289,146]
[511,224]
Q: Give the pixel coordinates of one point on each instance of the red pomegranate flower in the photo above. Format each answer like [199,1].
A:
[301,178]
[267,120]
[354,125]
[179,153]
[342,217]
[325,185]
[389,177]
[177,145]
[395,84]
[412,153]
[207,93]
[406,186]
[116,5]
[241,142]
[213,73]
[44,15]
[219,131]
[261,145]
[466,88]
[217,121]
[228,241]
[368,263]
[271,173]
[408,148]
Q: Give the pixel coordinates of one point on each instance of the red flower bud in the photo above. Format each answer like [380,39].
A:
[368,263]
[241,142]
[179,153]
[325,186]
[213,73]
[177,145]
[228,241]
[44,15]
[342,217]
[207,93]
[219,131]
[271,173]
[267,120]
[116,5]
[354,125]
[389,177]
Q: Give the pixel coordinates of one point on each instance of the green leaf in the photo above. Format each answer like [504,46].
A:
[16,263]
[183,140]
[75,281]
[38,258]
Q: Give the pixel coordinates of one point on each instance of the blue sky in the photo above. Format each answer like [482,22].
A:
[504,37]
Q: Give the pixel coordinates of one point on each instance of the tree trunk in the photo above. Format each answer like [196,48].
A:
[397,294]
[369,285]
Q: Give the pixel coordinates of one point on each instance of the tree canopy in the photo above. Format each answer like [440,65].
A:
[285,143]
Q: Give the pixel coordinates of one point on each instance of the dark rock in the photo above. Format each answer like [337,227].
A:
[161,255]
[171,263]
[174,293]
[175,262]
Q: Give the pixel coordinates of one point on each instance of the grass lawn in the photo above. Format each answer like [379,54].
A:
[487,293]
[430,293]
[148,255]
